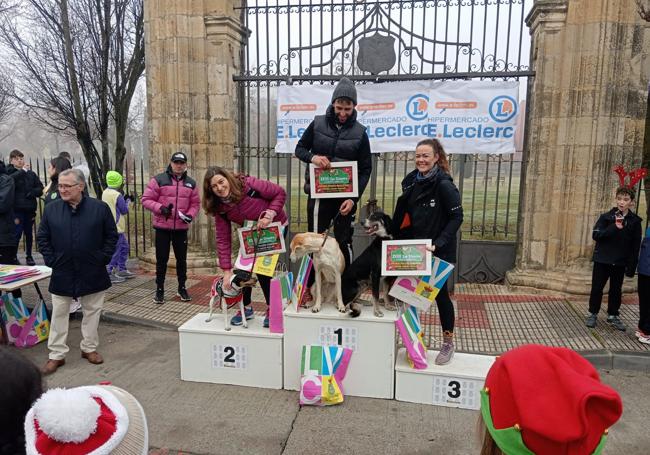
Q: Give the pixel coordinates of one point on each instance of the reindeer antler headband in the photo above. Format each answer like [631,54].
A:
[635,175]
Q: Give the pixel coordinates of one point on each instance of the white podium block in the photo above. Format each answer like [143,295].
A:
[371,371]
[455,385]
[247,357]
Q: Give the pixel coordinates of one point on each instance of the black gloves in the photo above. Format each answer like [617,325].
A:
[166,211]
[187,219]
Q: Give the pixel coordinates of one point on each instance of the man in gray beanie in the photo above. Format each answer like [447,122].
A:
[336,136]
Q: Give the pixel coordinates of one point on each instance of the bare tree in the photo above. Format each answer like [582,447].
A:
[76,65]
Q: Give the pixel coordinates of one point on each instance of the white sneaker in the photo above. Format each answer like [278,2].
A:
[645,339]
[125,274]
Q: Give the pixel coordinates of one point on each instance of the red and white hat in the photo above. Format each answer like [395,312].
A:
[92,420]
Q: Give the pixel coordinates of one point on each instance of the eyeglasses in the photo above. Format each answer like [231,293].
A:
[63,186]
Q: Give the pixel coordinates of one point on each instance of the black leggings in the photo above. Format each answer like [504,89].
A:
[602,273]
[445,309]
[178,240]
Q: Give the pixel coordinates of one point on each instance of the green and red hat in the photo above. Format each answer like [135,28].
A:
[541,400]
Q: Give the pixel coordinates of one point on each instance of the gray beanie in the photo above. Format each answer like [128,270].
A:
[345,89]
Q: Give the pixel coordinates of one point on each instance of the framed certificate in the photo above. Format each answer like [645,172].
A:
[341,180]
[405,257]
[269,240]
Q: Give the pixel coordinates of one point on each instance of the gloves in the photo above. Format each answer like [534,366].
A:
[166,211]
[129,198]
[187,219]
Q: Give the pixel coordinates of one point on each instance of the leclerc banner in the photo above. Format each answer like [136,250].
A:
[466,116]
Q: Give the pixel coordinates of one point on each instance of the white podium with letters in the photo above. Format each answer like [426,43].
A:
[242,356]
[457,384]
[371,371]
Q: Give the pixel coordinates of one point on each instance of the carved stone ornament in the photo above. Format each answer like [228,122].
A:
[376,53]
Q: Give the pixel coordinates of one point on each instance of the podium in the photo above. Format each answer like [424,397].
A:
[242,356]
[456,385]
[371,372]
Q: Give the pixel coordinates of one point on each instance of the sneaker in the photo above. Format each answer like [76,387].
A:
[266,320]
[591,320]
[645,339]
[182,293]
[306,298]
[117,279]
[125,274]
[237,320]
[616,322]
[160,296]
[446,352]
[29,260]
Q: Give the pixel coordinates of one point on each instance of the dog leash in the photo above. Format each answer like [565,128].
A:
[327,232]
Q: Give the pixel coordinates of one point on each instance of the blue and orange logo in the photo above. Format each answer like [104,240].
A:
[417,107]
[503,108]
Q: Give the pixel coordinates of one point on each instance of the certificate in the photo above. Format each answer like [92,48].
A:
[269,241]
[405,257]
[341,180]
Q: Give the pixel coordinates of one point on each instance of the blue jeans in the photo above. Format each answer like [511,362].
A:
[25,225]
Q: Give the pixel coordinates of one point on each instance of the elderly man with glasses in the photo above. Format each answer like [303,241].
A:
[77,238]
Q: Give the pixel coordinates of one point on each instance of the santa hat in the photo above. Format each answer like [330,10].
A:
[544,400]
[93,420]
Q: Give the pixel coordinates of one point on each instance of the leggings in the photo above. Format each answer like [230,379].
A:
[445,309]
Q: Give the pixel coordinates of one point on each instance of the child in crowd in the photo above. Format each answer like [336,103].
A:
[643,330]
[119,206]
[618,236]
[546,401]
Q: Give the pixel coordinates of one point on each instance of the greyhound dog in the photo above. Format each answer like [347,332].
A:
[232,297]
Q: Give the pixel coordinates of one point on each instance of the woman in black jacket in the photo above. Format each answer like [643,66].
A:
[430,208]
[57,165]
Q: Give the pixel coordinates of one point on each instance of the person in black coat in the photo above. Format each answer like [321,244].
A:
[430,208]
[335,136]
[77,238]
[8,244]
[28,189]
[618,238]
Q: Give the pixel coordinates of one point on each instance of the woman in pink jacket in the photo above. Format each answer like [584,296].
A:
[173,199]
[235,198]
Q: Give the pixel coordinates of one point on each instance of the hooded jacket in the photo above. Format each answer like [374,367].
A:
[258,196]
[430,209]
[7,226]
[615,246]
[28,188]
[165,189]
[346,142]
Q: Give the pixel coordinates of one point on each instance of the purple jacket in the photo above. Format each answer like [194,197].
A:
[165,189]
[259,195]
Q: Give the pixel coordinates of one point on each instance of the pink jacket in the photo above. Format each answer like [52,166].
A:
[259,195]
[165,189]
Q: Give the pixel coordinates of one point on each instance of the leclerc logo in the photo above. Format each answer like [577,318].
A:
[417,107]
[503,108]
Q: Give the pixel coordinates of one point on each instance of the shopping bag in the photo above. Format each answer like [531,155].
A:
[408,325]
[276,323]
[23,329]
[421,292]
[301,281]
[323,369]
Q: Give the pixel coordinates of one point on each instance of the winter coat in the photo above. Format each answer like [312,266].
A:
[165,189]
[7,226]
[52,193]
[349,142]
[258,196]
[430,209]
[618,246]
[77,244]
[644,257]
[28,188]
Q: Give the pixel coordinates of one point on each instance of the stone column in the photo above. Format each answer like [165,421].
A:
[192,53]
[586,112]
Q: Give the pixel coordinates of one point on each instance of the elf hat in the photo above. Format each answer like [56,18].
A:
[92,420]
[114,179]
[544,400]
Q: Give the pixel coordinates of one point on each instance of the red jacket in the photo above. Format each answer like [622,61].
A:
[259,195]
[165,189]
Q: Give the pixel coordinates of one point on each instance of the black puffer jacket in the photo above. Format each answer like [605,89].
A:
[7,226]
[346,142]
[618,246]
[28,188]
[430,209]
[77,244]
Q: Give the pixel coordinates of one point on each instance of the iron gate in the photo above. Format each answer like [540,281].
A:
[315,42]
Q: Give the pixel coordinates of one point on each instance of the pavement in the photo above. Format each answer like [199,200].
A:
[140,344]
